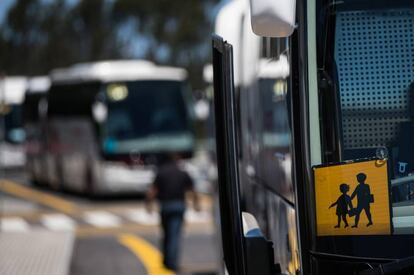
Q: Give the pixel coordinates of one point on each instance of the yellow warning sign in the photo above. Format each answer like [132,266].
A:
[353,199]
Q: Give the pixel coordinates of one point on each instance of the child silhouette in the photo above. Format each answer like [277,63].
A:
[342,204]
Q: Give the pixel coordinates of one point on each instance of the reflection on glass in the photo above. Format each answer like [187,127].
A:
[373,62]
[146,116]
[275,114]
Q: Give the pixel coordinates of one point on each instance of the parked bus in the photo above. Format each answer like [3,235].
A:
[34,121]
[12,91]
[349,111]
[109,124]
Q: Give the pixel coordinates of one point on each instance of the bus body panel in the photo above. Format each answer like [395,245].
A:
[265,155]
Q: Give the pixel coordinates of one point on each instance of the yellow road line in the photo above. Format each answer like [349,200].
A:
[146,253]
[91,231]
[27,193]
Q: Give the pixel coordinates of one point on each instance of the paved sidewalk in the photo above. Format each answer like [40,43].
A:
[35,252]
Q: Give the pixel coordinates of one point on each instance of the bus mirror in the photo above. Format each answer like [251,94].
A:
[99,112]
[272,18]
[201,109]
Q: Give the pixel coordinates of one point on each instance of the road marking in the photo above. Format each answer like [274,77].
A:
[192,216]
[149,256]
[18,190]
[58,222]
[102,219]
[91,231]
[13,225]
[141,216]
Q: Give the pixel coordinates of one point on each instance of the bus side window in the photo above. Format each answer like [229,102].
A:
[404,156]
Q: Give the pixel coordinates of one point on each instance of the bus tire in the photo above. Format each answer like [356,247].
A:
[60,176]
[89,188]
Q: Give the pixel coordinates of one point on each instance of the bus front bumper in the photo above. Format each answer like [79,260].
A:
[124,179]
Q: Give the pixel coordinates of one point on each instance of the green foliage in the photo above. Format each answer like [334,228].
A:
[38,36]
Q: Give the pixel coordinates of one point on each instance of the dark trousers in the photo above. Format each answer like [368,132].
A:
[359,209]
[172,213]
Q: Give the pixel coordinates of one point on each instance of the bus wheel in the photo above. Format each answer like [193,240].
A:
[89,186]
[34,181]
[60,184]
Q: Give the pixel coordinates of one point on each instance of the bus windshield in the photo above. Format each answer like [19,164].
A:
[146,116]
[13,124]
[365,51]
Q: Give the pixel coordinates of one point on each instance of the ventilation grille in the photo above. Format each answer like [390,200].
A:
[375,58]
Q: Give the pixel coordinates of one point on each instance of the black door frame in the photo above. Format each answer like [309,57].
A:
[227,158]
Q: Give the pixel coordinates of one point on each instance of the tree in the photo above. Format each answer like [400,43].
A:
[39,35]
[177,32]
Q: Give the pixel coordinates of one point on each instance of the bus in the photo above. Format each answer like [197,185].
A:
[34,122]
[12,89]
[110,123]
[348,109]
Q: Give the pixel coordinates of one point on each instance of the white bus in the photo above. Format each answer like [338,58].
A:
[12,91]
[109,124]
[349,104]
[34,122]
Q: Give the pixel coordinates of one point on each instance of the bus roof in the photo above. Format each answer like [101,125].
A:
[38,84]
[117,70]
[12,89]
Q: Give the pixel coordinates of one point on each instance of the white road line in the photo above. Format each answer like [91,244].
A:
[101,219]
[58,222]
[192,216]
[14,225]
[141,216]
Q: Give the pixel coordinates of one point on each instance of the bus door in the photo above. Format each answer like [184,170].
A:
[245,249]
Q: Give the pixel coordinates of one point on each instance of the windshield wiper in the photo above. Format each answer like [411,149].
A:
[399,266]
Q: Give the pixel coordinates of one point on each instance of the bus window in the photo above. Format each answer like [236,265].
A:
[275,116]
[73,99]
[13,122]
[148,114]
[275,150]
[368,61]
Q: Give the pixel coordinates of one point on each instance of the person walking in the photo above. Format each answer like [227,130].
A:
[364,199]
[170,186]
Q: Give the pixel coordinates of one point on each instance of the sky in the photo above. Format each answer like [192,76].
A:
[4,7]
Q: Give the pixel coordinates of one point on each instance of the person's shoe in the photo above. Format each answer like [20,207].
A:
[336,226]
[369,224]
[354,226]
[346,225]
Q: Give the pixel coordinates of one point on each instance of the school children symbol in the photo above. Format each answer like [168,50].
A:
[344,197]
[344,203]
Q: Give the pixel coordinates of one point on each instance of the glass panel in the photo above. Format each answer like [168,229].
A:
[374,58]
[146,116]
[14,124]
[275,115]
[374,54]
[72,99]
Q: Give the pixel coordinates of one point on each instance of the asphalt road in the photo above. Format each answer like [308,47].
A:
[112,235]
